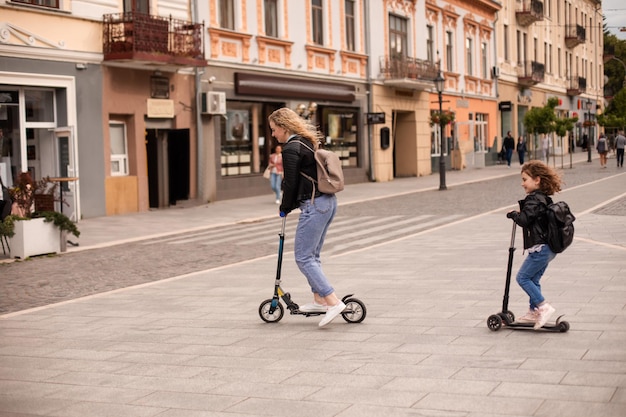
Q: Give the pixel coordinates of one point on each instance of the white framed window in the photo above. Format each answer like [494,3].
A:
[350,25]
[450,51]
[271,18]
[227,14]
[119,149]
[469,62]
[317,24]
[484,58]
[430,44]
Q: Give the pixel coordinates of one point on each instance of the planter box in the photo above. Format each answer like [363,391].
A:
[34,237]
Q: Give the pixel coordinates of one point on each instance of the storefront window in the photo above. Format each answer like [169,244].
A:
[39,105]
[340,129]
[236,158]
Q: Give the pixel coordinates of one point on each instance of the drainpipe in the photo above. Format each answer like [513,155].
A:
[370,99]
[198,91]
[498,113]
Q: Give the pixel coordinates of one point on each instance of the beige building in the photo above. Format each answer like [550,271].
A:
[550,48]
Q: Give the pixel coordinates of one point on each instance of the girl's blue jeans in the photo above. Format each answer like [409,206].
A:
[310,234]
[276,182]
[531,271]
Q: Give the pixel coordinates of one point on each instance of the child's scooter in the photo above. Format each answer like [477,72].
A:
[271,310]
[506,318]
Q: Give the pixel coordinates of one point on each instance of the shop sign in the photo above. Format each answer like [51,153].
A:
[160,108]
[375,118]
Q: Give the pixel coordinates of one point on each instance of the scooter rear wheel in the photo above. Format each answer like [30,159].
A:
[273,317]
[355,310]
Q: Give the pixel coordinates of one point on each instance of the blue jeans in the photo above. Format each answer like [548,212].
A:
[310,234]
[531,271]
[509,155]
[276,182]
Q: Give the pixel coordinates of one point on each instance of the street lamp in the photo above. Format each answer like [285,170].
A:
[589,140]
[439,84]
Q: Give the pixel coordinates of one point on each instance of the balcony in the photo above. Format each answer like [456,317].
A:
[576,86]
[574,35]
[409,73]
[528,12]
[139,38]
[530,73]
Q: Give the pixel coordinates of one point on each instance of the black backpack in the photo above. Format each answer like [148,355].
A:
[560,226]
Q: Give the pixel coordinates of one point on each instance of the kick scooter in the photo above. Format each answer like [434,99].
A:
[506,318]
[271,310]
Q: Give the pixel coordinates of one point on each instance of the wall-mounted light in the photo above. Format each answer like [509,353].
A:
[81,66]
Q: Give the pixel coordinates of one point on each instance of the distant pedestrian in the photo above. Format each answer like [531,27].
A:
[603,148]
[276,171]
[620,144]
[521,149]
[508,145]
[539,181]
[546,142]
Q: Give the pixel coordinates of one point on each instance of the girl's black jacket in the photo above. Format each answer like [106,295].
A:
[532,218]
[297,158]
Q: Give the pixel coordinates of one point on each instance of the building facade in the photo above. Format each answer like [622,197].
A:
[550,48]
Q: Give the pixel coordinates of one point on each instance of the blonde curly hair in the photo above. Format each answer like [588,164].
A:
[294,124]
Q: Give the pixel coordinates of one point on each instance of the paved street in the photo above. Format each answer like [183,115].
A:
[178,332]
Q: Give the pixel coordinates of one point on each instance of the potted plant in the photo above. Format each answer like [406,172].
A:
[443,118]
[32,231]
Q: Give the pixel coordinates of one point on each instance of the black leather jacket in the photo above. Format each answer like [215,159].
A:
[297,158]
[532,218]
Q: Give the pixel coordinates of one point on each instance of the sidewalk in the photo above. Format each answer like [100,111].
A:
[111,230]
[194,345]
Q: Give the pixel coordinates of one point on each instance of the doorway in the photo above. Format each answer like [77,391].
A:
[168,153]
[404,139]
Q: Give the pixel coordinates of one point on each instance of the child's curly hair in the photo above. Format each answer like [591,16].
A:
[550,179]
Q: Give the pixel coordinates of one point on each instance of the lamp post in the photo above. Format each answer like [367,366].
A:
[439,84]
[589,140]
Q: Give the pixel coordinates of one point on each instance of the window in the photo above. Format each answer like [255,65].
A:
[430,44]
[227,14]
[52,4]
[39,105]
[484,58]
[558,61]
[449,51]
[271,18]
[140,6]
[468,56]
[506,43]
[350,31]
[398,36]
[119,149]
[318,21]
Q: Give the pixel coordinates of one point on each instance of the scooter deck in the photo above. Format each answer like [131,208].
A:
[558,326]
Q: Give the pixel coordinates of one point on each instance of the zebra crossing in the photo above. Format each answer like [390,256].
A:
[346,233]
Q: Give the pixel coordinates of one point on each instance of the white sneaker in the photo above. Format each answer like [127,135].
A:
[544,312]
[332,313]
[313,308]
[277,201]
[530,317]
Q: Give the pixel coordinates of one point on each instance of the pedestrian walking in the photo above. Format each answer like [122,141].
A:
[603,148]
[276,171]
[297,135]
[539,182]
[521,149]
[508,145]
[620,144]
[546,142]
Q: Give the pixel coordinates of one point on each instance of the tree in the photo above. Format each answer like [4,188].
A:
[542,120]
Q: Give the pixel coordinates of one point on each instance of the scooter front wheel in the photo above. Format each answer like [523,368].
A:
[494,322]
[355,310]
[269,314]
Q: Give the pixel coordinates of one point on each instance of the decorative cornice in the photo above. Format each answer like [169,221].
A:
[10,32]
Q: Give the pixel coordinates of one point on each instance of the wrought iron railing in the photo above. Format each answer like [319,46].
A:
[400,66]
[577,32]
[531,72]
[142,36]
[578,84]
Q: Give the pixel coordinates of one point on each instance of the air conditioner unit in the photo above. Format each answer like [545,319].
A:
[495,72]
[214,102]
